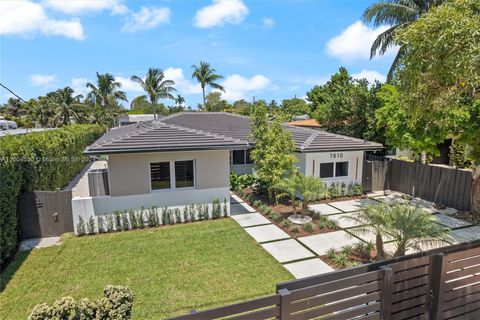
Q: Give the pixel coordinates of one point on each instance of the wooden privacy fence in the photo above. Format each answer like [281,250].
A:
[436,285]
[445,185]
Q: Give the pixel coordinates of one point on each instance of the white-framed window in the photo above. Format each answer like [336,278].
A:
[180,172]
[334,169]
[240,157]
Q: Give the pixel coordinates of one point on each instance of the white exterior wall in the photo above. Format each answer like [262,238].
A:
[309,164]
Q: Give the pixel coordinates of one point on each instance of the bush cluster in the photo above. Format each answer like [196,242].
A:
[243,181]
[38,161]
[152,217]
[116,304]
[336,190]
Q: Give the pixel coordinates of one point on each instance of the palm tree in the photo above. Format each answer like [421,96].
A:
[395,14]
[179,100]
[65,106]
[206,76]
[372,219]
[156,86]
[412,228]
[287,187]
[308,188]
[106,93]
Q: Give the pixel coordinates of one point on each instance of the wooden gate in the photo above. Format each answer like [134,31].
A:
[375,175]
[45,214]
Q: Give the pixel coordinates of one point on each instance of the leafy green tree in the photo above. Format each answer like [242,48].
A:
[439,78]
[395,14]
[156,86]
[106,93]
[412,228]
[215,103]
[294,107]
[347,106]
[206,76]
[66,106]
[240,107]
[274,149]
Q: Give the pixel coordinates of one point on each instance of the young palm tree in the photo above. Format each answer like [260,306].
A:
[206,76]
[156,86]
[412,228]
[394,14]
[287,188]
[65,106]
[372,219]
[179,100]
[308,188]
[106,93]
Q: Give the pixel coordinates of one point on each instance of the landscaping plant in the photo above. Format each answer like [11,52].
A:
[91,225]
[225,207]
[80,226]
[125,222]
[110,223]
[118,220]
[308,227]
[100,224]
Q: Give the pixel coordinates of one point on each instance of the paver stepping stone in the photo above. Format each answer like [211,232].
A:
[239,208]
[307,268]
[465,234]
[353,205]
[343,221]
[447,211]
[323,209]
[250,219]
[321,243]
[266,233]
[390,247]
[427,206]
[235,199]
[368,237]
[451,222]
[375,194]
[287,250]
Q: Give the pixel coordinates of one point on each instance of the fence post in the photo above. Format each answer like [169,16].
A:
[387,291]
[438,266]
[284,303]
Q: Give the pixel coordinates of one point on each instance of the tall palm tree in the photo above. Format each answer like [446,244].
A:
[66,106]
[179,100]
[206,76]
[394,14]
[156,86]
[106,93]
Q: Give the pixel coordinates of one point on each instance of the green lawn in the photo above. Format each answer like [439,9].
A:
[170,270]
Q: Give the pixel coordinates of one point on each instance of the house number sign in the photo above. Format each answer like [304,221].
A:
[336,155]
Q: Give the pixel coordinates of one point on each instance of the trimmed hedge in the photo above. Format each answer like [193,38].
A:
[116,304]
[38,161]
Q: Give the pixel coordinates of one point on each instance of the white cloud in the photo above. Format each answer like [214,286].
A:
[85,6]
[43,80]
[268,23]
[221,12]
[354,42]
[184,86]
[128,84]
[147,18]
[237,87]
[79,85]
[370,75]
[27,18]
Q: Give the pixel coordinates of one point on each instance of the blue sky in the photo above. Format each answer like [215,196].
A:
[270,49]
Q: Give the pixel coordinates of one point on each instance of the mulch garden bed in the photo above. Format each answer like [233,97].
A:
[467,216]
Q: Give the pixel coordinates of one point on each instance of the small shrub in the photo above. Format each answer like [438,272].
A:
[125,222]
[357,189]
[269,210]
[165,216]
[139,219]
[295,230]
[350,190]
[186,215]
[347,250]
[91,225]
[152,217]
[263,208]
[361,249]
[308,227]
[133,219]
[118,220]
[100,224]
[331,253]
[110,223]
[225,207]
[341,260]
[80,226]
[285,223]
[326,223]
[178,215]
[370,246]
[257,203]
[216,209]
[206,211]
[343,189]
[275,216]
[191,210]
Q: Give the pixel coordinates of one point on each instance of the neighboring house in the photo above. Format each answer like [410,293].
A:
[133,118]
[7,124]
[187,158]
[306,123]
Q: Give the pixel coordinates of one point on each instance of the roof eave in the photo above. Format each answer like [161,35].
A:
[369,148]
[154,150]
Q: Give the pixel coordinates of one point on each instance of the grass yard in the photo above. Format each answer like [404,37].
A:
[170,270]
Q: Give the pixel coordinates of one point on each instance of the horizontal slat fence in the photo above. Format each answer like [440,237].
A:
[444,185]
[441,284]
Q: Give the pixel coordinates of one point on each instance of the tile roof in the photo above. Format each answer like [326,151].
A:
[212,130]
[305,123]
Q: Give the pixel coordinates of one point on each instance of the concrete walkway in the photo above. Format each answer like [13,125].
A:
[38,243]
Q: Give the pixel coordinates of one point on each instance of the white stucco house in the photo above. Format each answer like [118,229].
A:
[187,158]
